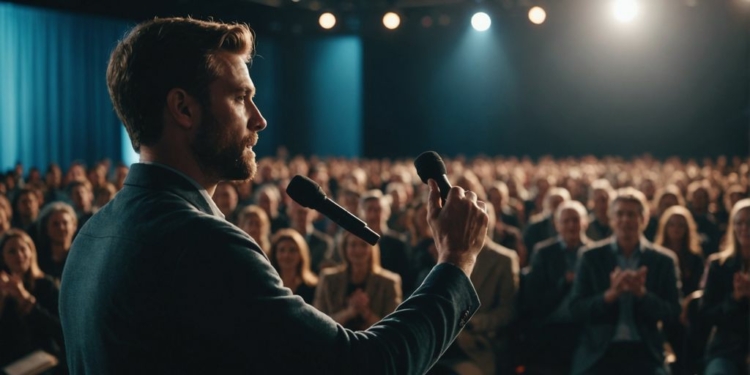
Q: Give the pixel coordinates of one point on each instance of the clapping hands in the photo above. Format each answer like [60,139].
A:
[626,281]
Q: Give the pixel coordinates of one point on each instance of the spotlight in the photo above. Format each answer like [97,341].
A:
[481,21]
[391,20]
[327,20]
[625,10]
[537,15]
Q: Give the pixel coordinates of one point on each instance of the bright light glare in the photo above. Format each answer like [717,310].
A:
[391,20]
[537,15]
[481,21]
[327,20]
[625,10]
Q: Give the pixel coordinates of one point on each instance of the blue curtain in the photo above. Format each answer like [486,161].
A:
[54,105]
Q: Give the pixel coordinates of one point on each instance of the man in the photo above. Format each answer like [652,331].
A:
[623,288]
[158,282]
[393,250]
[601,194]
[320,244]
[226,199]
[699,199]
[83,201]
[542,227]
[553,334]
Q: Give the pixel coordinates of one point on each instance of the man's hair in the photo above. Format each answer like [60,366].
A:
[162,54]
[629,194]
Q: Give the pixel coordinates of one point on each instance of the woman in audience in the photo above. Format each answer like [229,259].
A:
[57,227]
[254,221]
[725,299]
[665,198]
[29,319]
[290,256]
[360,292]
[678,232]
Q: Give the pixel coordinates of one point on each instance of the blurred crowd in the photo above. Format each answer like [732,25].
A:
[591,265]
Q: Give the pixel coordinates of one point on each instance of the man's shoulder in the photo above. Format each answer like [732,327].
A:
[659,251]
[550,244]
[493,251]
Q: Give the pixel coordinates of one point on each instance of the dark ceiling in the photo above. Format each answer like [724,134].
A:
[276,16]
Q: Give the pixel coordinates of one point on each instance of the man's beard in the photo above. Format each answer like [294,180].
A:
[221,156]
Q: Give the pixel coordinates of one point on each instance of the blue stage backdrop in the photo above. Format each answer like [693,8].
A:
[54,104]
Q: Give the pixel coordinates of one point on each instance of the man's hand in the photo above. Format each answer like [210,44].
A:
[459,227]
[741,283]
[617,285]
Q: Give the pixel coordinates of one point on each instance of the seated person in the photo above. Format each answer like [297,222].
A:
[290,256]
[253,220]
[554,334]
[360,292]
[57,227]
[726,296]
[29,320]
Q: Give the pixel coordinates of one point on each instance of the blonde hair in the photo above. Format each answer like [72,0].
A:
[265,224]
[692,239]
[375,266]
[303,269]
[34,271]
[731,246]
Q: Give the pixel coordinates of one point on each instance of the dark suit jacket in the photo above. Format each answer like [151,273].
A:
[321,249]
[728,318]
[155,284]
[538,231]
[599,319]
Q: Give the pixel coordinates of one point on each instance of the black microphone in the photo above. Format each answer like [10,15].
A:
[308,194]
[430,166]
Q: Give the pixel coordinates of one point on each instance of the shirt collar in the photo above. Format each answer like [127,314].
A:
[214,208]
[617,251]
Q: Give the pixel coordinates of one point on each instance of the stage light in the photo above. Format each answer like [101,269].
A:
[537,15]
[391,20]
[481,21]
[625,10]
[327,20]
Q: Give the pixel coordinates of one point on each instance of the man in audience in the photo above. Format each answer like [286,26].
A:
[542,226]
[83,201]
[393,249]
[623,288]
[159,282]
[320,244]
[226,199]
[553,334]
[698,200]
[601,194]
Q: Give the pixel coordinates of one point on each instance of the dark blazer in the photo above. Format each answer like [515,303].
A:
[599,319]
[321,249]
[155,284]
[728,318]
[537,231]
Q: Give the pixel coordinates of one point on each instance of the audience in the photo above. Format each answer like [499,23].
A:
[582,306]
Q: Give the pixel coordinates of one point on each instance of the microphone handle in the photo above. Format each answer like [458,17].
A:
[349,222]
[444,186]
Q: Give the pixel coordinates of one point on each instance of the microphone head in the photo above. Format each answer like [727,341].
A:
[305,192]
[429,165]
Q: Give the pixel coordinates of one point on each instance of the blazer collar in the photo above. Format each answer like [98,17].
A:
[154,177]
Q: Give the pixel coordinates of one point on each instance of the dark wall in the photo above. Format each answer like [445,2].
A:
[673,83]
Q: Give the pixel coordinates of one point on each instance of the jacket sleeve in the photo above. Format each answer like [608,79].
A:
[503,309]
[245,299]
[545,294]
[664,302]
[718,307]
[587,304]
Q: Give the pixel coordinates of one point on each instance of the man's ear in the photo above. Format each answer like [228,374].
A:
[183,108]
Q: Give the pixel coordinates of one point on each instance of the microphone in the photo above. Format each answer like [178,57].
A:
[430,166]
[308,194]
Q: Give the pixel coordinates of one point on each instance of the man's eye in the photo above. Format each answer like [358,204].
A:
[241,98]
